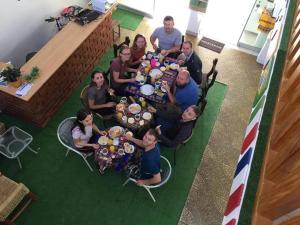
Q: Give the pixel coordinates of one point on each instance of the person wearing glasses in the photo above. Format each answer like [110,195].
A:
[138,50]
[98,95]
[83,132]
[118,68]
[169,38]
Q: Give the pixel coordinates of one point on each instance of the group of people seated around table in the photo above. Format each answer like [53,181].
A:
[172,127]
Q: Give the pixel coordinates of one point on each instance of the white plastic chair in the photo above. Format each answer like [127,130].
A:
[165,176]
[64,135]
[13,142]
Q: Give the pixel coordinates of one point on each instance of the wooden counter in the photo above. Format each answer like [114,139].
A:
[63,62]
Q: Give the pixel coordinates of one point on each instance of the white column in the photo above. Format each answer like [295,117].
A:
[194,23]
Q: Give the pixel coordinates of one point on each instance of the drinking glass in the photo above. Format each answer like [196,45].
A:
[123,100]
[137,116]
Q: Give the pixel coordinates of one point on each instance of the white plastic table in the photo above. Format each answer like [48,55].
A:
[13,142]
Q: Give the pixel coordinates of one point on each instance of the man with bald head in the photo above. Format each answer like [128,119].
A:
[186,91]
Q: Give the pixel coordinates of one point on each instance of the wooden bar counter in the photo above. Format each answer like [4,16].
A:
[63,62]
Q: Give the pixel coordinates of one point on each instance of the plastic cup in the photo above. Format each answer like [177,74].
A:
[123,100]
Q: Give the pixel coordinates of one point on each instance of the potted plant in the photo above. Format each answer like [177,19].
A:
[13,76]
[35,71]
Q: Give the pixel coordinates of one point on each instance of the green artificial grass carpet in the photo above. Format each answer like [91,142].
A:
[127,19]
[69,193]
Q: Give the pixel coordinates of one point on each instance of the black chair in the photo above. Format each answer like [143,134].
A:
[29,56]
[116,53]
[208,80]
[117,47]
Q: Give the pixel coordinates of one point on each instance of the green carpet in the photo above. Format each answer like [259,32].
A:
[68,193]
[127,19]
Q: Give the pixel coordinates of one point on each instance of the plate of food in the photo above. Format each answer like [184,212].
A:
[131,120]
[115,131]
[147,89]
[129,133]
[156,73]
[103,140]
[121,151]
[147,116]
[140,78]
[134,108]
[174,66]
[128,148]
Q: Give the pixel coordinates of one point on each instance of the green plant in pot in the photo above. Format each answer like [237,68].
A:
[35,71]
[13,76]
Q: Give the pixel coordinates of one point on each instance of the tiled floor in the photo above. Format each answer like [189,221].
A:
[208,196]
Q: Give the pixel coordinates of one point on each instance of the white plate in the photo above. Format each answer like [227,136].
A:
[134,108]
[174,66]
[147,116]
[115,131]
[103,140]
[128,148]
[131,120]
[156,73]
[140,78]
[147,89]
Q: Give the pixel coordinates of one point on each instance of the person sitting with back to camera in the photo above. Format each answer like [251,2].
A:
[185,93]
[118,68]
[169,38]
[150,159]
[138,50]
[83,132]
[174,128]
[189,59]
[98,95]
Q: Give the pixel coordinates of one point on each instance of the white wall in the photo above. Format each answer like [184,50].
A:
[23,29]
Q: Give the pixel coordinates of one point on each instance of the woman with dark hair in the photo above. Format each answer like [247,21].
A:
[118,68]
[98,95]
[138,50]
[82,131]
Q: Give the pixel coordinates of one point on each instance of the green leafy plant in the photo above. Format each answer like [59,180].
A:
[11,75]
[35,71]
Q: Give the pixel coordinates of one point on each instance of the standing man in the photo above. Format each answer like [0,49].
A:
[185,93]
[192,61]
[169,38]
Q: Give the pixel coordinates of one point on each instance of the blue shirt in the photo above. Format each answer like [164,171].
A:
[167,40]
[187,95]
[150,162]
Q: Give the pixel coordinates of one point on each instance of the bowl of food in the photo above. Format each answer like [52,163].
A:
[147,116]
[134,108]
[128,148]
[115,131]
[147,89]
[103,140]
[156,73]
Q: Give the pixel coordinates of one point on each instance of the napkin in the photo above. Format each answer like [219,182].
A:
[23,89]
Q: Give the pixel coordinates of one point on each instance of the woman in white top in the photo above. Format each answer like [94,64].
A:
[82,131]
